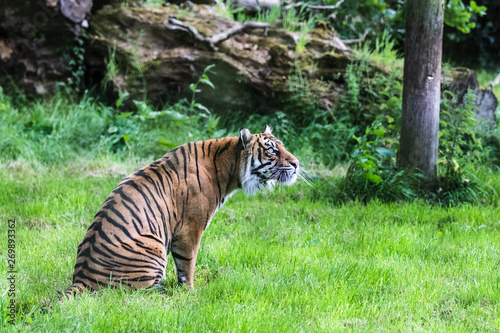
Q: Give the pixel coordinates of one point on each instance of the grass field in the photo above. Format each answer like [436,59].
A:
[275,262]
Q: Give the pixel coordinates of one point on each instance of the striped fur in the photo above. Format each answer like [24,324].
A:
[165,207]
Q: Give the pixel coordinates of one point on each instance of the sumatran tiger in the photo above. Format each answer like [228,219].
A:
[165,207]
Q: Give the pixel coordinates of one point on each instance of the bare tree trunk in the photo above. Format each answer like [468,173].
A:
[421,86]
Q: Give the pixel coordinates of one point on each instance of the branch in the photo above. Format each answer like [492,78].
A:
[216,39]
[350,41]
[174,24]
[300,4]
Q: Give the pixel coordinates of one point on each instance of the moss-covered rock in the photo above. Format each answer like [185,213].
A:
[252,67]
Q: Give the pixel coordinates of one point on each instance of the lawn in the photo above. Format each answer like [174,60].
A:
[275,262]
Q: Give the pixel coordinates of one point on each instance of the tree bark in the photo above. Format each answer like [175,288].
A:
[421,86]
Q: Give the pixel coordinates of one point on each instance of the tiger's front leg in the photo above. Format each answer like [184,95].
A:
[184,251]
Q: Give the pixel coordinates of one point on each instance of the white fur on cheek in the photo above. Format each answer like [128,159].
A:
[251,183]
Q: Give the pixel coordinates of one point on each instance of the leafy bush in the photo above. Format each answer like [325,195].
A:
[373,172]
[63,128]
[460,152]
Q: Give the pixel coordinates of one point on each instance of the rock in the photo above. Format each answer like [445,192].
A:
[487,104]
[251,7]
[460,80]
[252,67]
[76,10]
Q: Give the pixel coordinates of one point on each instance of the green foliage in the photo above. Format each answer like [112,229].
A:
[373,172]
[195,107]
[480,48]
[76,65]
[457,15]
[111,69]
[62,128]
[457,139]
[289,19]
[460,152]
[370,91]
[357,18]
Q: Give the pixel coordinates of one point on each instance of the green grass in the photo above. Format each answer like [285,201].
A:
[275,262]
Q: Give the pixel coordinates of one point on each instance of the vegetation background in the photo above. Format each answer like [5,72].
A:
[361,246]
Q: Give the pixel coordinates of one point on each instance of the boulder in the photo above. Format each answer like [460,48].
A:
[161,51]
[460,80]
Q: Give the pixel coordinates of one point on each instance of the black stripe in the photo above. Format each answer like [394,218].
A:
[136,187]
[255,171]
[210,145]
[123,196]
[152,227]
[159,176]
[117,255]
[117,213]
[103,235]
[90,239]
[167,173]
[217,175]
[117,225]
[178,256]
[183,151]
[175,155]
[197,168]
[203,148]
[172,167]
[225,148]
[134,215]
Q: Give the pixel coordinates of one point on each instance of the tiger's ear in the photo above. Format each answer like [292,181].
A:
[267,130]
[245,137]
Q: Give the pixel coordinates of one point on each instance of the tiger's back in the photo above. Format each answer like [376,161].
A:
[165,207]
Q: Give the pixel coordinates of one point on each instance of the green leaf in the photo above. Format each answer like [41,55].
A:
[386,153]
[192,86]
[126,137]
[208,68]
[174,116]
[372,177]
[220,133]
[166,143]
[113,129]
[124,115]
[207,82]
[201,107]
[393,102]
[379,132]
[480,10]
[372,164]
[365,166]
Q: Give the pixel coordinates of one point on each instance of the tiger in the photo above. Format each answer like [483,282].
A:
[165,207]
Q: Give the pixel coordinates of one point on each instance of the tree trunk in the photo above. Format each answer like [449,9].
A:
[421,86]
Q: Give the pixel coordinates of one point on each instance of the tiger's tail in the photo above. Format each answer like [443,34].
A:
[75,290]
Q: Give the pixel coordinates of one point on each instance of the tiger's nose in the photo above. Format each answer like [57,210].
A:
[295,163]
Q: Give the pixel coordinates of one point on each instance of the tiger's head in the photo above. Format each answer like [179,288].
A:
[265,161]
